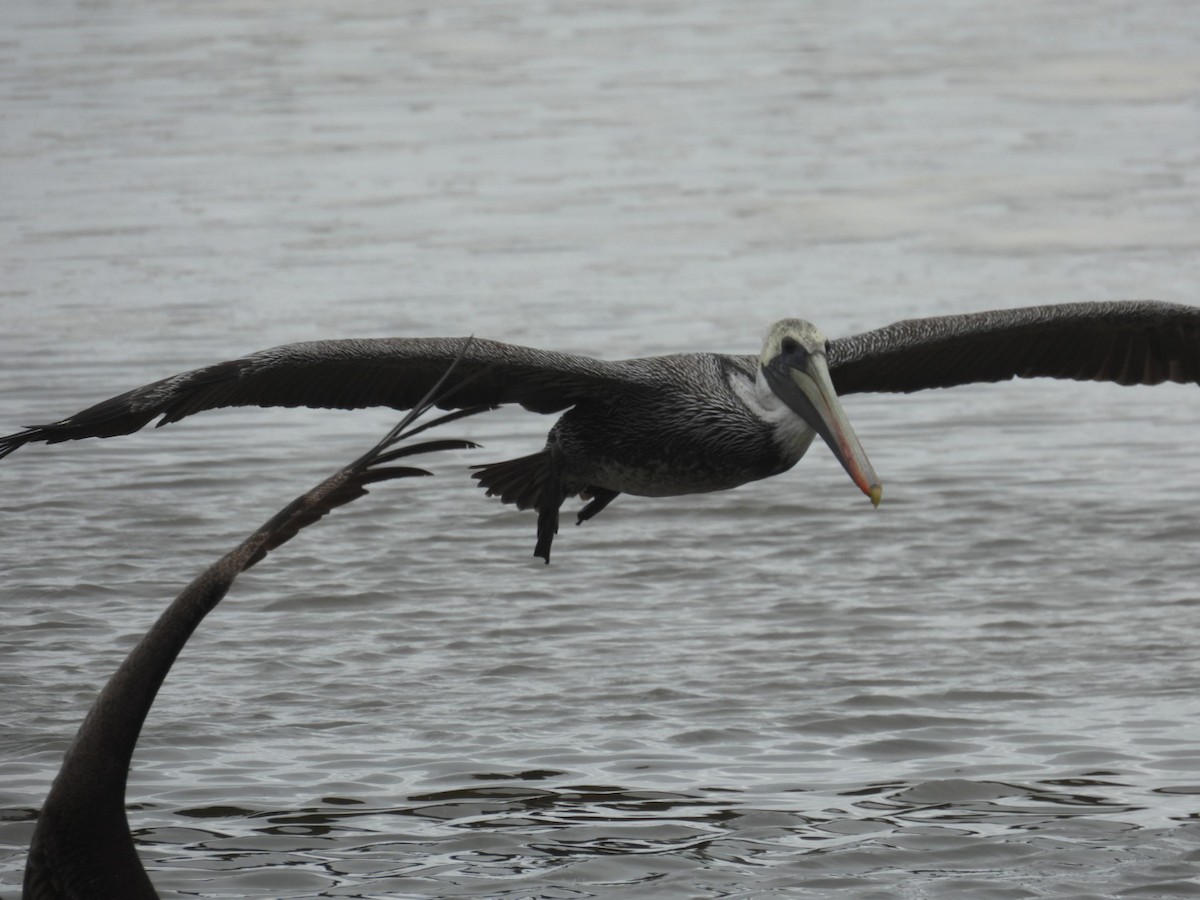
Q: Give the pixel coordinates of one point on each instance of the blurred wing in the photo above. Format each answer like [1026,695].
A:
[1135,342]
[81,846]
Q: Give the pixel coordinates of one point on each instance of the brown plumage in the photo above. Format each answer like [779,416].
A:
[672,424]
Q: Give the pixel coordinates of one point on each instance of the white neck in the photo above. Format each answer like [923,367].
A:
[792,433]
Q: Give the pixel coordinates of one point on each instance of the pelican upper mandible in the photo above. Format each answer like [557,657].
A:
[679,424]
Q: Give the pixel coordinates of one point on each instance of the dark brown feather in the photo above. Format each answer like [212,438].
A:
[1134,342]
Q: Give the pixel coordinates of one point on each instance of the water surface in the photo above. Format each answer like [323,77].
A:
[986,688]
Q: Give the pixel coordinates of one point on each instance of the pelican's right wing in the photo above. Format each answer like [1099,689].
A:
[1131,342]
[348,374]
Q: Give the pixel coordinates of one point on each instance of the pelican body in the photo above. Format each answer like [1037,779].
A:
[694,423]
[678,424]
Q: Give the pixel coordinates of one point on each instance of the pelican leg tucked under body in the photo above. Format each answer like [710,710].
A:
[698,423]
[680,424]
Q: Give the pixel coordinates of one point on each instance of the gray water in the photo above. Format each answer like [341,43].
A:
[988,687]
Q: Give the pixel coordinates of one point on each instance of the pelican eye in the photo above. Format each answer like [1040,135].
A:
[793,353]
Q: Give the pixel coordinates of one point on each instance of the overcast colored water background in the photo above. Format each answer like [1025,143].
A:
[989,687]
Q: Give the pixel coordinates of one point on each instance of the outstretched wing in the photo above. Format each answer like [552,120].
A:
[346,374]
[1134,342]
[81,846]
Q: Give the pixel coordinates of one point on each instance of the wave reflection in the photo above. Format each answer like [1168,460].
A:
[524,836]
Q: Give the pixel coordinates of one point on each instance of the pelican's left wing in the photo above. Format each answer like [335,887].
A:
[1133,342]
[350,374]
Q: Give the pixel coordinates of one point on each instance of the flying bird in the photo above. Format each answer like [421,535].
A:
[680,424]
[82,848]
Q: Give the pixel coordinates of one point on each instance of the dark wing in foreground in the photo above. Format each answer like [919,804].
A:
[1135,342]
[81,847]
[346,374]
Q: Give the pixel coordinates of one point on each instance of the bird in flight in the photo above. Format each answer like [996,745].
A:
[679,424]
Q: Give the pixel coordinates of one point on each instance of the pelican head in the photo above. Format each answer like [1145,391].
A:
[794,366]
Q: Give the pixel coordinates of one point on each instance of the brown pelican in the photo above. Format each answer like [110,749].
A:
[81,847]
[675,424]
